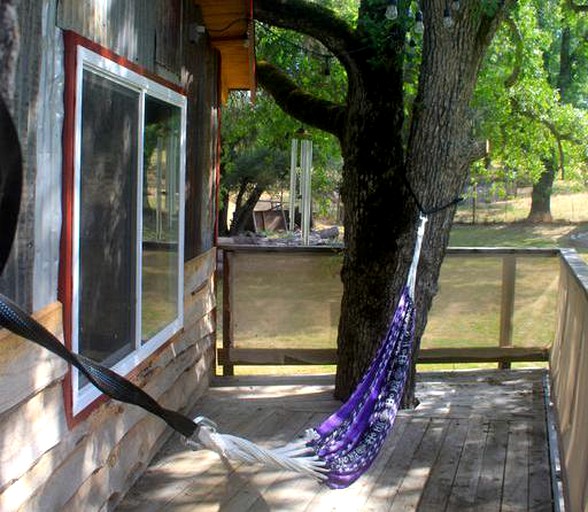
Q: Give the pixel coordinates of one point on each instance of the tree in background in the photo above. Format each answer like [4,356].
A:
[530,100]
[254,156]
[256,141]
[397,153]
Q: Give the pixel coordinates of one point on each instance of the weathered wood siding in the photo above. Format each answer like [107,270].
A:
[569,373]
[46,466]
[131,29]
[201,158]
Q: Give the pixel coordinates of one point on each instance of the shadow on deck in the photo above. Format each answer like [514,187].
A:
[477,441]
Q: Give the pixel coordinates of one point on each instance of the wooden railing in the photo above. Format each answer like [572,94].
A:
[567,350]
[569,378]
[503,351]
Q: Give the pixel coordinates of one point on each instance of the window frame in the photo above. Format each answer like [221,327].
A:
[90,57]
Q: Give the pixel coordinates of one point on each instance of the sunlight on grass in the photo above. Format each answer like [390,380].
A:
[292,300]
[572,208]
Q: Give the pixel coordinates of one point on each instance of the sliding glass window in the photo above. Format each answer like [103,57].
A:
[128,216]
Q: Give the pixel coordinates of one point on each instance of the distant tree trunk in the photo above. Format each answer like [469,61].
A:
[381,213]
[243,216]
[223,213]
[541,195]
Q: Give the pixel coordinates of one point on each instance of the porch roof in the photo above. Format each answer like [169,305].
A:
[230,27]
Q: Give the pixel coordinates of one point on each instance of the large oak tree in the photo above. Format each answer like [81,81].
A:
[392,159]
[531,98]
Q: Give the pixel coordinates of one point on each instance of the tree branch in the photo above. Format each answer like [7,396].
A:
[305,107]
[518,41]
[311,19]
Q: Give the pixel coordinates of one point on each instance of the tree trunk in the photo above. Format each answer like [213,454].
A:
[541,195]
[243,216]
[223,214]
[380,207]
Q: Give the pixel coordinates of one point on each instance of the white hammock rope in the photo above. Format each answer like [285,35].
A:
[295,456]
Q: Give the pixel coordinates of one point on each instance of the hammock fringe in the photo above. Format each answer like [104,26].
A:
[296,456]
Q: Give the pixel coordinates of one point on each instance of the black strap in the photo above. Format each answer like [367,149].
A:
[434,209]
[10,182]
[13,318]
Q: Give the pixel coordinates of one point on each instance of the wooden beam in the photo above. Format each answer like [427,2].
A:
[286,357]
[509,270]
[269,356]
[228,287]
[483,355]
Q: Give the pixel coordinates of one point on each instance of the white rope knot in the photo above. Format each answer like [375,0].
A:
[295,456]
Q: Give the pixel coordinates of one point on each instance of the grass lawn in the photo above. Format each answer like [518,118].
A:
[294,302]
[518,234]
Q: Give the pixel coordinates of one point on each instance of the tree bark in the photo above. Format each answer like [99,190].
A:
[384,176]
[243,216]
[541,194]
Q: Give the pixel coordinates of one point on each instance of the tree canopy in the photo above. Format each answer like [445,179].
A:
[256,146]
[530,99]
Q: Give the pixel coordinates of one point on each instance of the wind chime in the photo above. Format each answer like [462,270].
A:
[419,27]
[300,183]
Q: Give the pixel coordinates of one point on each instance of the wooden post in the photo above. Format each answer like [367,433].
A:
[228,286]
[509,267]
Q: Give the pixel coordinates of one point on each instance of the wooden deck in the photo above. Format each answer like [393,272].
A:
[476,442]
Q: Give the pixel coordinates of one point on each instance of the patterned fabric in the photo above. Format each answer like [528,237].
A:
[350,439]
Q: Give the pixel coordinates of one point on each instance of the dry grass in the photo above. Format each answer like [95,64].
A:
[569,208]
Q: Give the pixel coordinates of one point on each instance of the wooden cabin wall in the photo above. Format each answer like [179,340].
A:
[46,463]
[46,466]
[201,158]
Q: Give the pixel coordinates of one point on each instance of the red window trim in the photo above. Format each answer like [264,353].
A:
[72,41]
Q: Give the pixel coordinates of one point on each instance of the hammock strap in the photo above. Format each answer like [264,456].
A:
[412,272]
[15,319]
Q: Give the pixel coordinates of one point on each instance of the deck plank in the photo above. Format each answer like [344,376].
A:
[476,442]
[489,493]
[411,489]
[388,483]
[516,475]
[465,485]
[540,495]
[443,473]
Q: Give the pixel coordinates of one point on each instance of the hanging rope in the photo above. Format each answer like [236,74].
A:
[428,211]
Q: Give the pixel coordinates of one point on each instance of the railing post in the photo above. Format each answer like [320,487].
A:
[509,268]
[228,287]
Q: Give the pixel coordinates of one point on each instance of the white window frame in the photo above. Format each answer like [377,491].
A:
[89,60]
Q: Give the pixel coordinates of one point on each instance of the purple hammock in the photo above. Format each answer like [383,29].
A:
[350,439]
